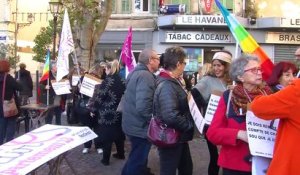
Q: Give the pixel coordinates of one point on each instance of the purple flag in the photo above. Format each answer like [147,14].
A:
[126,54]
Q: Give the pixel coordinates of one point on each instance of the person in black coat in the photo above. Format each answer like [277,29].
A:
[7,125]
[105,101]
[171,106]
[24,78]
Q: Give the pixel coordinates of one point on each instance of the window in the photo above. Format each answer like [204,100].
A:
[228,4]
[154,6]
[125,7]
[141,6]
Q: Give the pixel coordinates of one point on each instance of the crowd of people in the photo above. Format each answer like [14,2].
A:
[158,86]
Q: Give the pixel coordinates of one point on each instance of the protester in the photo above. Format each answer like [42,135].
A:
[297,61]
[282,75]
[228,127]
[51,99]
[137,111]
[7,125]
[24,78]
[105,101]
[171,106]
[283,105]
[216,80]
[83,110]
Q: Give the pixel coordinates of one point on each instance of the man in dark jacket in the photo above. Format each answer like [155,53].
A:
[24,78]
[138,110]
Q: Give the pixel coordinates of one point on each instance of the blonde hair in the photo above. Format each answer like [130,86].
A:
[97,70]
[113,66]
[206,69]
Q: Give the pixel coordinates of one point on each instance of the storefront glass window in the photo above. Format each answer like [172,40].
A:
[194,59]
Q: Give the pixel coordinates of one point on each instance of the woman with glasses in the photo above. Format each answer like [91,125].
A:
[228,127]
[171,107]
[217,79]
[282,75]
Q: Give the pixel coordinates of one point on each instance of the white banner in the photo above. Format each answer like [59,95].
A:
[211,107]
[260,165]
[62,87]
[29,151]
[88,85]
[261,135]
[66,46]
[196,114]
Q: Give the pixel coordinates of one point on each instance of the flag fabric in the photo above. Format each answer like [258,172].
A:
[46,69]
[66,46]
[246,41]
[160,3]
[126,53]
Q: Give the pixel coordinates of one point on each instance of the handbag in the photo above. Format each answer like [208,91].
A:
[161,135]
[9,106]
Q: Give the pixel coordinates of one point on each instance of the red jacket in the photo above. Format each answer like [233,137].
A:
[234,154]
[285,104]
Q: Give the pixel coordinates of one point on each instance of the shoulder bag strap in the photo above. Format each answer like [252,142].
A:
[3,87]
[228,103]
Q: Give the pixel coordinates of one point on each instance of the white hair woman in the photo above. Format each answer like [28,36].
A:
[228,127]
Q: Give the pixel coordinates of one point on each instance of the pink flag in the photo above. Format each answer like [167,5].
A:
[126,54]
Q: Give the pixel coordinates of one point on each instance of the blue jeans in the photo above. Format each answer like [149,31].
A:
[138,157]
[7,129]
[57,112]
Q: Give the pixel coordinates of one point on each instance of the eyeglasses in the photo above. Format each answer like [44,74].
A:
[254,70]
[156,58]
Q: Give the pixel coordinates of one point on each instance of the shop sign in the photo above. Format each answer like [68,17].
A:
[283,38]
[198,37]
[205,20]
[290,22]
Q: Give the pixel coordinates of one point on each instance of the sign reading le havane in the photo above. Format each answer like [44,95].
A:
[197,37]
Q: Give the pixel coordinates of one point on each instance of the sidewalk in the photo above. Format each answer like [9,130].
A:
[89,164]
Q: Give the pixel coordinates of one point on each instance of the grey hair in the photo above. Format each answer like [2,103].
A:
[238,66]
[144,56]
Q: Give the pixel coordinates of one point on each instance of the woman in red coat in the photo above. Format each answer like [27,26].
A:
[228,127]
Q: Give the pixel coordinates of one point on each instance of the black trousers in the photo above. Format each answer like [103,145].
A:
[234,172]
[213,168]
[107,149]
[177,157]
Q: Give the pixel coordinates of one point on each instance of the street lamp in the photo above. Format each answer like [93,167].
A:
[55,8]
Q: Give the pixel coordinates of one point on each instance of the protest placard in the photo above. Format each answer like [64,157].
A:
[261,135]
[196,114]
[62,87]
[260,165]
[88,85]
[31,150]
[212,106]
[75,79]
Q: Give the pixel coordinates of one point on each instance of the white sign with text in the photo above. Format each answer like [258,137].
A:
[88,85]
[260,165]
[62,87]
[196,114]
[31,150]
[261,135]
[75,79]
[211,107]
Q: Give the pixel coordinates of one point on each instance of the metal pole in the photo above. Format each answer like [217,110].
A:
[16,36]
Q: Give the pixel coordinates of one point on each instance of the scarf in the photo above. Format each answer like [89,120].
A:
[241,97]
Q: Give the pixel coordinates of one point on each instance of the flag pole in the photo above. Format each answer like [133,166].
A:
[48,83]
